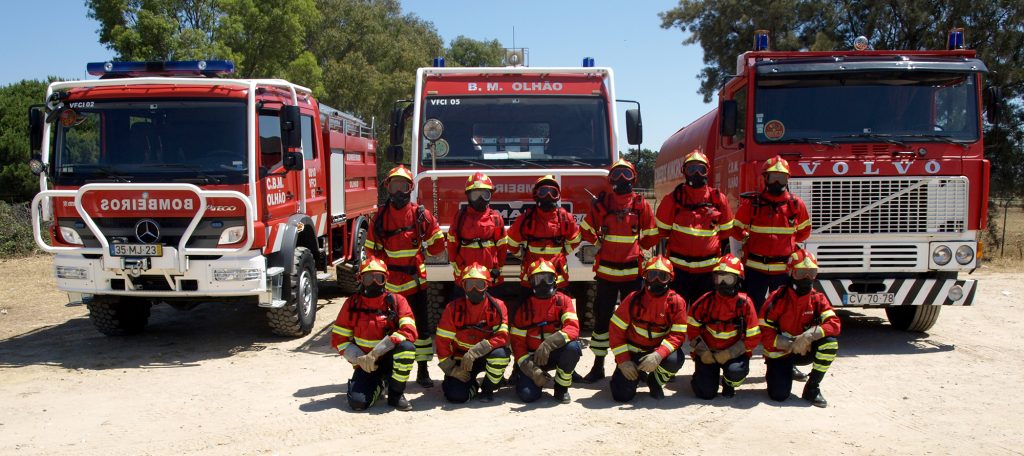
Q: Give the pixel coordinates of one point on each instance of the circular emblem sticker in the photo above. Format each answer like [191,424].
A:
[774,130]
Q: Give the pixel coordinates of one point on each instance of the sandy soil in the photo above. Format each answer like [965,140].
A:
[213,381]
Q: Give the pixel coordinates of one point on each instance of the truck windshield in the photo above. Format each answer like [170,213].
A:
[521,131]
[151,140]
[867,107]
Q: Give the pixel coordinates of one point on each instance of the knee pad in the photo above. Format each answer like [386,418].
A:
[736,372]
[528,393]
[357,402]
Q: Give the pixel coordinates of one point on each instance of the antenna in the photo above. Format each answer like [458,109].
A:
[513,37]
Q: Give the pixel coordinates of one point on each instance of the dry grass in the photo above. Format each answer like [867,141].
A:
[1012,257]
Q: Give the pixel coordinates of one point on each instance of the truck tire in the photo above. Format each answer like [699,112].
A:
[119,315]
[437,298]
[346,277]
[913,318]
[296,317]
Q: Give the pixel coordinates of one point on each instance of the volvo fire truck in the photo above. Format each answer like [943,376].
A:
[885,148]
[165,182]
[515,124]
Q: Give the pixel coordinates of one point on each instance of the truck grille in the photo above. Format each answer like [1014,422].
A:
[878,257]
[886,205]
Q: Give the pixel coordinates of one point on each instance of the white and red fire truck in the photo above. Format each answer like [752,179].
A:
[515,124]
[166,183]
[885,148]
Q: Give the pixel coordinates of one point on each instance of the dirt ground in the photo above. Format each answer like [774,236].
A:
[213,381]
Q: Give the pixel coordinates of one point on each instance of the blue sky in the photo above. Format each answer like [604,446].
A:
[651,65]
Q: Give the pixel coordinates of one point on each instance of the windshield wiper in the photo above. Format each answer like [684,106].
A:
[819,141]
[463,160]
[200,174]
[882,136]
[106,171]
[944,138]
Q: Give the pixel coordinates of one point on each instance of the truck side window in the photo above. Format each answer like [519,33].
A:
[270,139]
[741,115]
[308,152]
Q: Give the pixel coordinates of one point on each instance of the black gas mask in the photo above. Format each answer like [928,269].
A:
[372,284]
[399,192]
[696,174]
[621,179]
[476,290]
[479,199]
[802,280]
[543,285]
[546,197]
[726,284]
[776,183]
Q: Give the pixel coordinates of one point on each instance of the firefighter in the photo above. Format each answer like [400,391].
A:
[770,224]
[723,329]
[472,337]
[646,333]
[696,220]
[619,223]
[477,232]
[373,332]
[398,235]
[545,333]
[545,231]
[799,327]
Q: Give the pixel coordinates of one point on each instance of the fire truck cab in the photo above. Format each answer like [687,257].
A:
[166,183]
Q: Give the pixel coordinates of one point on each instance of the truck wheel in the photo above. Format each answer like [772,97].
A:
[913,318]
[296,317]
[347,278]
[119,316]
[586,294]
[437,298]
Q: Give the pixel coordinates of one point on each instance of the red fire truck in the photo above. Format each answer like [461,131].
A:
[166,183]
[516,124]
[885,147]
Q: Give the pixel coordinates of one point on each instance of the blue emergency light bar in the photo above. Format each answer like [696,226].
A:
[956,39]
[760,40]
[588,62]
[439,62]
[181,67]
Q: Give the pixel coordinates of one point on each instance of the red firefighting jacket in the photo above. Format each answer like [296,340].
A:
[771,225]
[644,323]
[538,318]
[790,315]
[549,235]
[395,236]
[696,222]
[722,321]
[624,224]
[365,321]
[476,237]
[463,324]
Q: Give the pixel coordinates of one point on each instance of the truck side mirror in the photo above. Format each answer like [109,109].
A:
[291,128]
[634,127]
[994,105]
[292,161]
[397,126]
[395,153]
[36,119]
[727,123]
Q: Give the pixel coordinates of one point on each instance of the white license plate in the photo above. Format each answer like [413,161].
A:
[136,250]
[875,299]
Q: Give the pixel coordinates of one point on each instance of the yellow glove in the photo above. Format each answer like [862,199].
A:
[706,357]
[801,344]
[534,373]
[461,374]
[352,353]
[722,356]
[629,371]
[385,345]
[447,365]
[480,349]
[650,362]
[367,363]
[551,343]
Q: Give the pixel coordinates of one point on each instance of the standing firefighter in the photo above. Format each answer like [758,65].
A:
[620,224]
[373,332]
[545,333]
[477,233]
[471,338]
[545,231]
[799,327]
[770,224]
[646,332]
[723,329]
[398,235]
[696,220]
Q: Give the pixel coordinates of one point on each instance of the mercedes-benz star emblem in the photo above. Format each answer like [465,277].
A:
[147,231]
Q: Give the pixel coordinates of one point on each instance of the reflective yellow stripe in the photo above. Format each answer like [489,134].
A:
[668,345]
[502,241]
[662,225]
[481,245]
[565,336]
[618,322]
[341,331]
[407,321]
[826,314]
[771,229]
[569,316]
[511,242]
[522,358]
[774,354]
[518,332]
[804,224]
[451,237]
[649,334]
[678,328]
[463,344]
[694,264]
[401,253]
[721,335]
[371,245]
[397,335]
[695,231]
[434,238]
[575,239]
[586,226]
[545,250]
[500,328]
[825,356]
[766,267]
[693,322]
[650,232]
[401,287]
[754,331]
[619,350]
[739,224]
[617,272]
[342,346]
[829,345]
[725,226]
[367,343]
[444,333]
[620,239]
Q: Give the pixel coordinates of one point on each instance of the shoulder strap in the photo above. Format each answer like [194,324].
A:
[418,223]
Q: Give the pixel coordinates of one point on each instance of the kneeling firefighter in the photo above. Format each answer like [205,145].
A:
[373,331]
[471,338]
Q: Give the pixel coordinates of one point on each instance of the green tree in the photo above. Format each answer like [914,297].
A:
[643,160]
[468,52]
[19,184]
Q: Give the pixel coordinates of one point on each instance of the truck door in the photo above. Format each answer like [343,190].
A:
[280,189]
[315,179]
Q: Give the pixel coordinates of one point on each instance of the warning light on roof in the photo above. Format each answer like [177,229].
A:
[760,40]
[860,43]
[588,62]
[956,39]
[181,67]
[439,62]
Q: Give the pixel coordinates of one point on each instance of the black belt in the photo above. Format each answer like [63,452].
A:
[690,259]
[619,266]
[766,260]
[407,270]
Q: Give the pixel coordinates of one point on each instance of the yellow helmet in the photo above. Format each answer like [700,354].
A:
[696,156]
[776,164]
[479,181]
[802,259]
[540,266]
[476,271]
[659,263]
[399,171]
[730,264]
[372,264]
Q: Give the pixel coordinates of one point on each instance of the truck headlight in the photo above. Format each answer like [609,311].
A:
[432,129]
[231,235]
[942,255]
[956,293]
[226,275]
[72,272]
[70,235]
[964,254]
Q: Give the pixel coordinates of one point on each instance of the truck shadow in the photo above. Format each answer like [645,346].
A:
[865,335]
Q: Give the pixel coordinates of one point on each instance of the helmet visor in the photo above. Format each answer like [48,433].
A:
[399,186]
[695,169]
[479,194]
[547,192]
[777,178]
[474,284]
[372,277]
[543,278]
[725,278]
[656,276]
[805,273]
[621,174]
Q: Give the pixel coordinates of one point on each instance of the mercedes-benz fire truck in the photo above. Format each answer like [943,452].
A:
[885,148]
[515,124]
[166,183]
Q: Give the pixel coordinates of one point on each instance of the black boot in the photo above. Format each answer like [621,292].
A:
[596,373]
[727,391]
[486,392]
[656,391]
[799,376]
[398,401]
[812,391]
[562,394]
[423,376]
